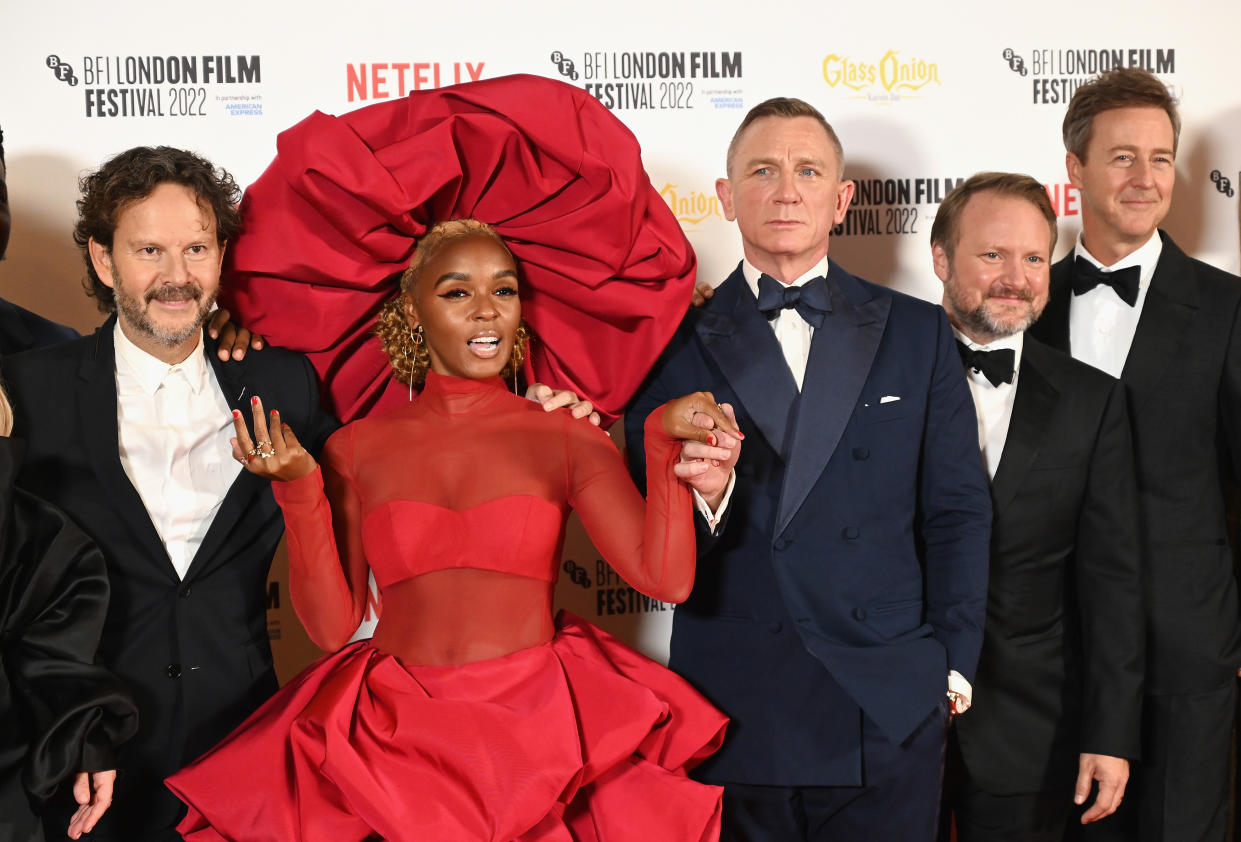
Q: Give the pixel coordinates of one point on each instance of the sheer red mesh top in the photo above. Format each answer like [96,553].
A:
[458,503]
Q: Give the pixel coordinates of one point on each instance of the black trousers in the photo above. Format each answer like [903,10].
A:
[1178,791]
[982,816]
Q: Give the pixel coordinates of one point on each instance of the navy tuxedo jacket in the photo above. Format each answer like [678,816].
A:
[194,652]
[850,573]
[1182,378]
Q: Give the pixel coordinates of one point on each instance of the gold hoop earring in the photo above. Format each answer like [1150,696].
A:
[416,339]
[518,356]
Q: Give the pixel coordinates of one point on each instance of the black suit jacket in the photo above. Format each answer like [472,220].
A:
[1063,649]
[1183,381]
[850,575]
[195,651]
[21,330]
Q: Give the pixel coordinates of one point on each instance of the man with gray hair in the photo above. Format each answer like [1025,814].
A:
[837,613]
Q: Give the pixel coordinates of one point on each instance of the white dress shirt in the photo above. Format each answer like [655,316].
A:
[792,331]
[1101,326]
[994,404]
[174,427]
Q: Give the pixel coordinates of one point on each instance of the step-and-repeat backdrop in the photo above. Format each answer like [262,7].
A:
[921,94]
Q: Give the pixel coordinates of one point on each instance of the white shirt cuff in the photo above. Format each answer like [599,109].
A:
[958,684]
[713,517]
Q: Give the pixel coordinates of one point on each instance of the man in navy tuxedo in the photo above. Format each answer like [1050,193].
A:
[839,601]
[1127,300]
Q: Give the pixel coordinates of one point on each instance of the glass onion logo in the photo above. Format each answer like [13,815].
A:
[691,207]
[890,78]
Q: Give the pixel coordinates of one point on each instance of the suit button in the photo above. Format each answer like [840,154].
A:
[861,453]
[174,670]
[783,544]
[850,532]
[859,613]
[185,592]
[775,626]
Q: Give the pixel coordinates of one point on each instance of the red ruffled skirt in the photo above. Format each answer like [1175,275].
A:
[581,738]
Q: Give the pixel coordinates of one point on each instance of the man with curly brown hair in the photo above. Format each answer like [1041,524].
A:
[128,431]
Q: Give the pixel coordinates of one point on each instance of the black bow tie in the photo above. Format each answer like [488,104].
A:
[1087,276]
[996,366]
[810,300]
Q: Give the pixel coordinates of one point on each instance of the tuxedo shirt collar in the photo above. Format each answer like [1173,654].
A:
[1016,342]
[750,272]
[149,371]
[993,404]
[1146,256]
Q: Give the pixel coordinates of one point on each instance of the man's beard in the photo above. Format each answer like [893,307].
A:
[136,313]
[980,321]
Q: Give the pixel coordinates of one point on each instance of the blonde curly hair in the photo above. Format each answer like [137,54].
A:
[405,347]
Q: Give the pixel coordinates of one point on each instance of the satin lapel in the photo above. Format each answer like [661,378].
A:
[1033,406]
[97,421]
[237,389]
[841,355]
[1167,312]
[1052,327]
[741,342]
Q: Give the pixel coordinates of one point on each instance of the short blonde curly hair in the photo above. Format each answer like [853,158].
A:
[407,355]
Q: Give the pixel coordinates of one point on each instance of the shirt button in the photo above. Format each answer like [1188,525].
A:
[185,592]
[174,670]
[850,532]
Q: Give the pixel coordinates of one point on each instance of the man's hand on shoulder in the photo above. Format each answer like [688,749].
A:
[234,340]
[550,399]
[702,294]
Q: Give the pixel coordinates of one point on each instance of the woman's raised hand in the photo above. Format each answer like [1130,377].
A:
[274,452]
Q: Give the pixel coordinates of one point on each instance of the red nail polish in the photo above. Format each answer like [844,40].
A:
[254,400]
[711,439]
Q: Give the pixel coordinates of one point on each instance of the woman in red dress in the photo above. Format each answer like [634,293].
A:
[471,714]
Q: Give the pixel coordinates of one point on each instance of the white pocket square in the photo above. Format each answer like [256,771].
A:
[889,398]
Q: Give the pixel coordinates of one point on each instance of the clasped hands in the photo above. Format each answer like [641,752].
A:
[711,443]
